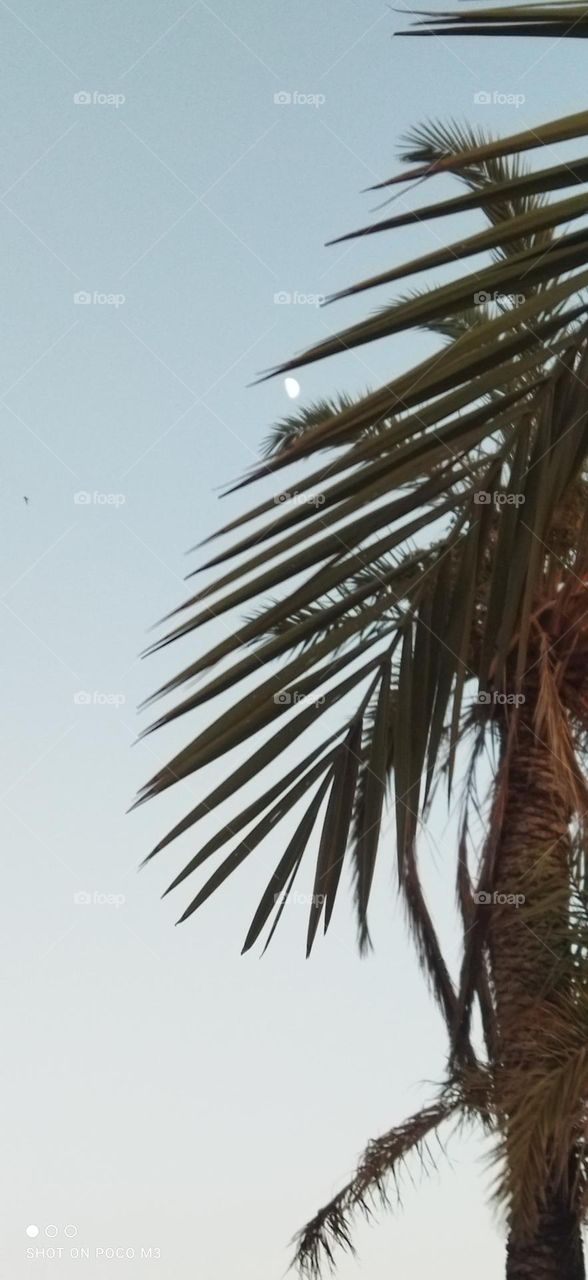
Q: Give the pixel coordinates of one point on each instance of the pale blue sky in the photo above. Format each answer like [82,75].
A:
[158,1091]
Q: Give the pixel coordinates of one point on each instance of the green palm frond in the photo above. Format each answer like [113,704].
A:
[290,429]
[435,141]
[417,546]
[365,596]
[442,473]
[553,21]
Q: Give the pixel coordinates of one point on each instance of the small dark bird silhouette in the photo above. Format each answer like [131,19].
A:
[25,499]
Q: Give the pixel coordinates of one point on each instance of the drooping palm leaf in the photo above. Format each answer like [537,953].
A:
[414,440]
[381,1167]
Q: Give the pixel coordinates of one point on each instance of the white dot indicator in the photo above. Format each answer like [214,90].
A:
[292,388]
[32,1231]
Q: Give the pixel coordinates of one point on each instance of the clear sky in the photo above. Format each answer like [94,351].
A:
[158,1091]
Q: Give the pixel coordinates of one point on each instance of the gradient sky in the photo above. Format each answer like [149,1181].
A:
[159,1092]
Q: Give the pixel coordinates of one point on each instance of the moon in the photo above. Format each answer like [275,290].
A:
[292,388]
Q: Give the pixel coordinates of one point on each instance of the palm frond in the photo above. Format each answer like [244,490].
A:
[552,21]
[464,1097]
[438,140]
[403,571]
[367,1191]
[290,429]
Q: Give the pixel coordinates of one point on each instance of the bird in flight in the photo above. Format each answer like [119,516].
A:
[25,500]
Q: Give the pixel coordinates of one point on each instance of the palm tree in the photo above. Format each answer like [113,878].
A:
[433,570]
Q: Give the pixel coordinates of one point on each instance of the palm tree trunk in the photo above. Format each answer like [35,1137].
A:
[554,1252]
[529,956]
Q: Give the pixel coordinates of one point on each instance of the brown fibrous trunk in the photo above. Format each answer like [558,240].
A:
[528,939]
